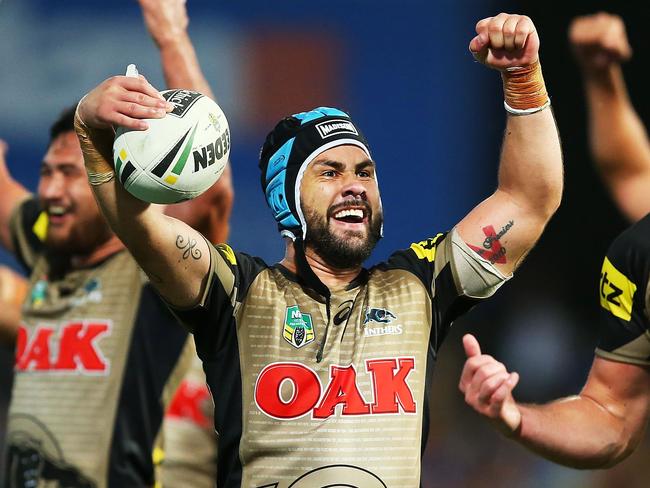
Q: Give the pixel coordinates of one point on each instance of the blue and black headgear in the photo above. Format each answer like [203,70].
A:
[289,148]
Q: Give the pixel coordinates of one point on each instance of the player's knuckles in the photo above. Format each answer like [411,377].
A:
[509,31]
[490,385]
[113,80]
[471,398]
[495,27]
[481,25]
[487,367]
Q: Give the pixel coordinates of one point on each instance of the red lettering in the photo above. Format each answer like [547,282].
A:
[306,390]
[21,343]
[36,356]
[389,387]
[342,389]
[392,394]
[77,349]
[190,402]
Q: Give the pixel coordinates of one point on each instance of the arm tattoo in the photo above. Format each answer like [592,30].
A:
[188,246]
[492,249]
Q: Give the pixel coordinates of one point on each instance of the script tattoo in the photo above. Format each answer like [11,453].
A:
[188,246]
[492,249]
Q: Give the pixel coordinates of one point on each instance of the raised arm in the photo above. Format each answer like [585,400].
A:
[11,194]
[175,257]
[13,289]
[167,22]
[618,139]
[595,429]
[505,226]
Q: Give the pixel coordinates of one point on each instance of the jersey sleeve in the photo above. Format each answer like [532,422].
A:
[28,229]
[211,320]
[456,277]
[623,296]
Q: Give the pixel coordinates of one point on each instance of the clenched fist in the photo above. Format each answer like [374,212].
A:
[505,41]
[488,386]
[599,40]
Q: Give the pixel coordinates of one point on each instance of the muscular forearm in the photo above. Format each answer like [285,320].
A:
[170,252]
[577,432]
[531,164]
[181,67]
[618,139]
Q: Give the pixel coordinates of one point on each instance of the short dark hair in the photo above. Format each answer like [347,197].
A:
[64,123]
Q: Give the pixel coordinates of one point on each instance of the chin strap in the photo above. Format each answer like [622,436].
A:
[309,278]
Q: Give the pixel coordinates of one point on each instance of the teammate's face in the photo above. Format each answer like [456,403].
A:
[340,201]
[75,224]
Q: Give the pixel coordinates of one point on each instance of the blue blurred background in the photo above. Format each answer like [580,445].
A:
[434,120]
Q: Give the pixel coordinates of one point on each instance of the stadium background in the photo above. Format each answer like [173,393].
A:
[434,120]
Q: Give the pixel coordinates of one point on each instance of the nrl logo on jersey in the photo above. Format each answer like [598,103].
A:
[298,327]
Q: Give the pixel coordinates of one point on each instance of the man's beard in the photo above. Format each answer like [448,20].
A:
[342,252]
[82,239]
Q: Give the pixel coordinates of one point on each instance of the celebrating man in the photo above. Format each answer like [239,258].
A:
[318,363]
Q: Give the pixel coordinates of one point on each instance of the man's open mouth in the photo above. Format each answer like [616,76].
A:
[350,215]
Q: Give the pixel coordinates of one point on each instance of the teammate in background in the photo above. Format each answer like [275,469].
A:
[190,444]
[604,423]
[98,352]
[619,141]
[316,362]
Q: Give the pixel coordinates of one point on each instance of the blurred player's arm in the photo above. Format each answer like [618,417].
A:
[167,22]
[174,256]
[505,226]
[595,429]
[13,289]
[11,194]
[618,139]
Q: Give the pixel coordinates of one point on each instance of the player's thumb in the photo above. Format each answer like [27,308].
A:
[478,46]
[471,346]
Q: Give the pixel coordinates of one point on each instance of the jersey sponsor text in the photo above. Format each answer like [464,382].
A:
[391,391]
[74,349]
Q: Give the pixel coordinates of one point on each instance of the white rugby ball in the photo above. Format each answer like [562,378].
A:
[179,156]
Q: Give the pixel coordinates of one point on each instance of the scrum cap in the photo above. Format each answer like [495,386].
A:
[289,148]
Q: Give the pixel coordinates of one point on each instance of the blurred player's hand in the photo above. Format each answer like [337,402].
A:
[124,101]
[488,386]
[505,41]
[166,20]
[4,148]
[599,40]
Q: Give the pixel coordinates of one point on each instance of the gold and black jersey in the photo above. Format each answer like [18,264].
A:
[97,354]
[190,454]
[356,417]
[624,295]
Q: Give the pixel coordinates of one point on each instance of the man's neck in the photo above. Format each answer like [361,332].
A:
[331,277]
[97,255]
